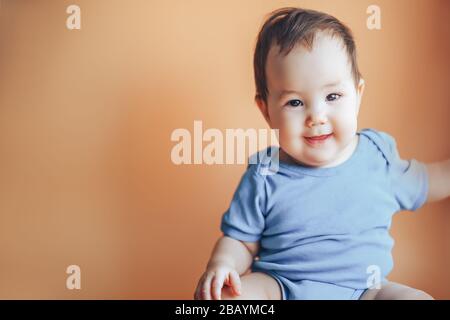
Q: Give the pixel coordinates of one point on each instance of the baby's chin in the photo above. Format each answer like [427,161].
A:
[317,160]
[328,155]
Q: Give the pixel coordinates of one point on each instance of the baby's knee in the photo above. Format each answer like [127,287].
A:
[254,286]
[418,295]
[412,294]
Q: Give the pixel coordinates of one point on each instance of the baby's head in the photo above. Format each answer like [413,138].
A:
[308,85]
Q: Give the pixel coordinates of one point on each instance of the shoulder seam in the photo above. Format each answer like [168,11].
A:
[255,170]
[379,142]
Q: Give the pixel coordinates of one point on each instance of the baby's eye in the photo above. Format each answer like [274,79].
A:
[295,103]
[333,96]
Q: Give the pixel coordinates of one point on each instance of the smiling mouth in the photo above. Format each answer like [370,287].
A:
[316,140]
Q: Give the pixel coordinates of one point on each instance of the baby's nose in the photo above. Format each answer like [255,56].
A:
[315,120]
[316,114]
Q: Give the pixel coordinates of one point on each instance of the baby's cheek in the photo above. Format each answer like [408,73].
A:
[289,137]
[285,137]
[293,125]
[291,133]
[345,125]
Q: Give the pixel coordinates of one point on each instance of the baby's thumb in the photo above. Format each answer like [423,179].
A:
[235,282]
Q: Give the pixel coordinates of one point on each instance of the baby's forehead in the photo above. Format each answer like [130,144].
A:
[324,44]
[327,59]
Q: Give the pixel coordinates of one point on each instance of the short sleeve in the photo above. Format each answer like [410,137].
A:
[244,219]
[409,178]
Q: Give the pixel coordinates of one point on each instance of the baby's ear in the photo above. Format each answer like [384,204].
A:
[360,92]
[263,108]
[361,86]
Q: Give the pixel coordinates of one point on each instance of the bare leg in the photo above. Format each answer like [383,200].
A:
[395,291]
[255,286]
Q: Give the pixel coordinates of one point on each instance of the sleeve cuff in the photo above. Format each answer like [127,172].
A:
[238,235]
[422,197]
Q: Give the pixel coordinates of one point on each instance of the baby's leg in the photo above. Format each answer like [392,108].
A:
[395,291]
[254,286]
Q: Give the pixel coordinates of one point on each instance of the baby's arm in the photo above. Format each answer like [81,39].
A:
[233,252]
[439,180]
[230,258]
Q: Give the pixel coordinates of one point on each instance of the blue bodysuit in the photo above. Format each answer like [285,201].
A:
[324,232]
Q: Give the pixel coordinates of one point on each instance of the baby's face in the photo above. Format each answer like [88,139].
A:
[311,94]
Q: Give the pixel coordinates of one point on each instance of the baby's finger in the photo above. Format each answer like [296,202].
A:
[206,288]
[217,285]
[235,281]
[197,289]
[197,295]
[197,292]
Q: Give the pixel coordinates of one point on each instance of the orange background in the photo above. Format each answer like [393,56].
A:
[86,118]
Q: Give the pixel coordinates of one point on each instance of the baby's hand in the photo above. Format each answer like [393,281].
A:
[210,284]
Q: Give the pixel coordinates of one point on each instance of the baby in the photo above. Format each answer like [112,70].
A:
[318,227]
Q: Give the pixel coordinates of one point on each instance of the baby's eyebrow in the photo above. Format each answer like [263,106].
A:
[332,84]
[286,92]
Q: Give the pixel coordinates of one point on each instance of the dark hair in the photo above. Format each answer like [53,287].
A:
[290,26]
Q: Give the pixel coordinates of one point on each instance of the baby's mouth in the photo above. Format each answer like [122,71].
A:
[317,140]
